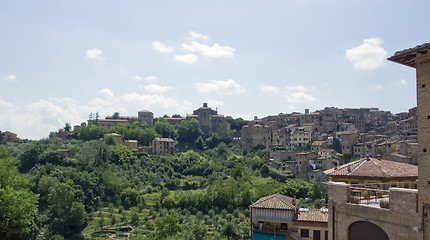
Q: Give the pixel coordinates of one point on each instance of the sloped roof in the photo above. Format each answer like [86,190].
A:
[313,215]
[373,167]
[275,201]
[407,56]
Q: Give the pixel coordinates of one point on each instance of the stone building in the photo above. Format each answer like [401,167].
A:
[9,136]
[163,146]
[146,116]
[277,217]
[210,121]
[255,134]
[408,212]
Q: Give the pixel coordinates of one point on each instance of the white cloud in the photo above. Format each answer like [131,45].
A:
[299,97]
[209,51]
[375,87]
[269,89]
[401,82]
[10,78]
[299,94]
[369,55]
[161,47]
[216,103]
[199,36]
[138,78]
[4,105]
[157,101]
[94,53]
[187,59]
[151,78]
[227,87]
[298,88]
[155,88]
[106,92]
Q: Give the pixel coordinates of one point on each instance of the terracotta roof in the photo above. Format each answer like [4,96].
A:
[275,201]
[313,215]
[164,140]
[373,167]
[407,56]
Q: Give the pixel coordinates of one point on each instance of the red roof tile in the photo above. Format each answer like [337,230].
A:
[313,215]
[275,201]
[373,167]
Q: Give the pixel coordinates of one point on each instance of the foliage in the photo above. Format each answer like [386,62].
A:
[18,205]
[120,153]
[236,124]
[165,129]
[167,225]
[67,212]
[296,188]
[129,197]
[188,131]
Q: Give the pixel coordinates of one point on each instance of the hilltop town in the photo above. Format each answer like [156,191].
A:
[317,140]
[328,174]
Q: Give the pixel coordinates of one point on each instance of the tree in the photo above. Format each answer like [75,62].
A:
[164,128]
[222,149]
[176,116]
[200,143]
[296,188]
[120,153]
[129,197]
[30,157]
[167,225]
[67,212]
[115,115]
[237,170]
[67,127]
[236,124]
[51,156]
[188,131]
[18,205]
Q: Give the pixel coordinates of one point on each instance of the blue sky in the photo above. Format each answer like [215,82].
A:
[61,60]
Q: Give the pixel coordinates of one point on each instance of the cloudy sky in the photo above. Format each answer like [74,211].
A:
[62,60]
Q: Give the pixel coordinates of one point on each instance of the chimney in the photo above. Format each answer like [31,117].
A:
[255,118]
[205,104]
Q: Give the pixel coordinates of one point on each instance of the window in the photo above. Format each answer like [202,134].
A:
[304,232]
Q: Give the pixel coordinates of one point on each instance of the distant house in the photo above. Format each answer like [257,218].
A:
[277,217]
[163,146]
[312,224]
[273,214]
[9,136]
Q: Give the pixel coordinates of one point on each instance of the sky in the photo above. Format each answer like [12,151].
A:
[62,60]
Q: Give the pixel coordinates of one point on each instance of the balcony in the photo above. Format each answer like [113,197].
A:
[375,194]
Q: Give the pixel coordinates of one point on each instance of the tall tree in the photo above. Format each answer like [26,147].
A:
[67,212]
[18,205]
[188,131]
[67,127]
[115,115]
[164,128]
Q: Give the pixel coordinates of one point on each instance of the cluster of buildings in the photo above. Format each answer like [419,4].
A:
[310,143]
[210,121]
[371,198]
